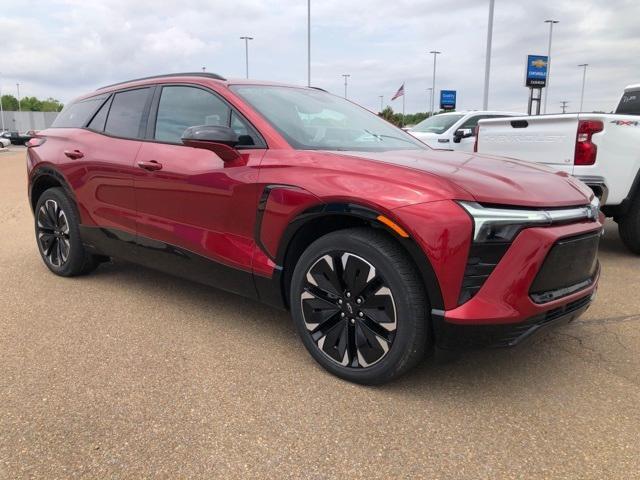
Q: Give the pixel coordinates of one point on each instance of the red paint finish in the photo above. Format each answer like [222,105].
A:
[190,198]
[198,202]
[446,247]
[504,298]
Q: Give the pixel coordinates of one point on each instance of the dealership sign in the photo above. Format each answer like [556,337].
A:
[537,66]
[447,99]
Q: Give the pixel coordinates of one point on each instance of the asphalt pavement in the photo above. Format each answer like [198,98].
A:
[128,373]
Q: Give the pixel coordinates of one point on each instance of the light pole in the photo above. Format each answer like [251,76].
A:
[584,78]
[381,102]
[546,94]
[433,85]
[308,43]
[19,106]
[204,69]
[487,60]
[246,52]
[430,90]
[345,83]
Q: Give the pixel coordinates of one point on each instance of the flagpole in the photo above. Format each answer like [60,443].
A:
[402,109]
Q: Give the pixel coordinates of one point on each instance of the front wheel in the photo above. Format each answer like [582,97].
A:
[359,306]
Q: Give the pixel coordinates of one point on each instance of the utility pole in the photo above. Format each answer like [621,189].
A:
[433,85]
[584,78]
[381,102]
[345,83]
[19,106]
[546,93]
[487,61]
[308,43]
[563,105]
[246,53]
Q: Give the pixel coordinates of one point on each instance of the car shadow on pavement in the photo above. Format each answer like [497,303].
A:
[472,370]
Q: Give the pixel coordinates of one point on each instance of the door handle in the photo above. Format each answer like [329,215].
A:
[74,154]
[151,165]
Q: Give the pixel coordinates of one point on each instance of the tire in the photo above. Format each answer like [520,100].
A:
[57,228]
[359,306]
[629,226]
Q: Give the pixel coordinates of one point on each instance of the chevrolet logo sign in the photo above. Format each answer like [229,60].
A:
[539,63]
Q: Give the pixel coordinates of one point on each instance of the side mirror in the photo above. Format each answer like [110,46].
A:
[462,133]
[219,140]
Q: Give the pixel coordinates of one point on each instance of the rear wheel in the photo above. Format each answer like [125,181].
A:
[359,306]
[629,226]
[58,235]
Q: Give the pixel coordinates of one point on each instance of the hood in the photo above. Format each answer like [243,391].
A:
[489,179]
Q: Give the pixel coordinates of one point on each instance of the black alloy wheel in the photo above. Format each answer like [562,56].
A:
[53,233]
[359,305]
[348,310]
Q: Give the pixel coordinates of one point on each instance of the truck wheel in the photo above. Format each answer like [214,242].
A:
[629,226]
[360,306]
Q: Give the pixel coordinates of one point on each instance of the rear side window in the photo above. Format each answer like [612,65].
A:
[125,114]
[629,103]
[77,114]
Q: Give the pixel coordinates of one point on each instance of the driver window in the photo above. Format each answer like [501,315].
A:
[472,122]
[182,107]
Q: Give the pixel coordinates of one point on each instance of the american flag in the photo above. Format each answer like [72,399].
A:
[399,93]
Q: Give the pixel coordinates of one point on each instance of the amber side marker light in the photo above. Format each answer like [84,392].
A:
[393,226]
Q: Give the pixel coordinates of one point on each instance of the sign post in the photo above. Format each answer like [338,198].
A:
[536,79]
[447,99]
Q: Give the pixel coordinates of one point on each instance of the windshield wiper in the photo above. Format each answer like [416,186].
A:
[380,136]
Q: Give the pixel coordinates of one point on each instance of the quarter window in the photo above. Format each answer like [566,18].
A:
[125,114]
[97,123]
[77,114]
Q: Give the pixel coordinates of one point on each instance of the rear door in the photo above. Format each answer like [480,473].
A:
[548,139]
[112,143]
[190,201]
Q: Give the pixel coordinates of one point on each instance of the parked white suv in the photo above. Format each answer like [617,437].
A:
[602,150]
[453,130]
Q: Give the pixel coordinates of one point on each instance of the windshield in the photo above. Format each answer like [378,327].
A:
[437,124]
[316,120]
[630,103]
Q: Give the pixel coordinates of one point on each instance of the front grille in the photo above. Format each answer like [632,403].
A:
[483,258]
[570,266]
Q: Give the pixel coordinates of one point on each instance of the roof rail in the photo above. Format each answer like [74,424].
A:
[185,74]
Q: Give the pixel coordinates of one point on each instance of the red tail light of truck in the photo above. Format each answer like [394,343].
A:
[586,151]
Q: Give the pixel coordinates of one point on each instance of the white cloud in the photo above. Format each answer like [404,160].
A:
[64,48]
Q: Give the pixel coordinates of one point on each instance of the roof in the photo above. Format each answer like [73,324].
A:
[214,76]
[635,86]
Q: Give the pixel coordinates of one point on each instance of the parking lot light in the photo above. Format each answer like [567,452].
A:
[433,85]
[584,77]
[546,95]
[246,53]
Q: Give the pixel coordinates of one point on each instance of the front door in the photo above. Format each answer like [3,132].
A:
[196,213]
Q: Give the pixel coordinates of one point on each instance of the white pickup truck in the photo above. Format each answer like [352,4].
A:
[602,150]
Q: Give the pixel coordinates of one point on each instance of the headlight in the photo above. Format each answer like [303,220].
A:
[503,224]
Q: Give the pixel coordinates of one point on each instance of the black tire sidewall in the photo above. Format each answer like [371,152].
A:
[410,308]
[76,261]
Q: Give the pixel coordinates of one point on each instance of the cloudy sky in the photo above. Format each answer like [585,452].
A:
[62,48]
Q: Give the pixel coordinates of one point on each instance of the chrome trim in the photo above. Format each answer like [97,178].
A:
[483,216]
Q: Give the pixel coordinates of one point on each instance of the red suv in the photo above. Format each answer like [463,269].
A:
[381,247]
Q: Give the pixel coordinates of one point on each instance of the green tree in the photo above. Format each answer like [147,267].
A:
[9,102]
[51,105]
